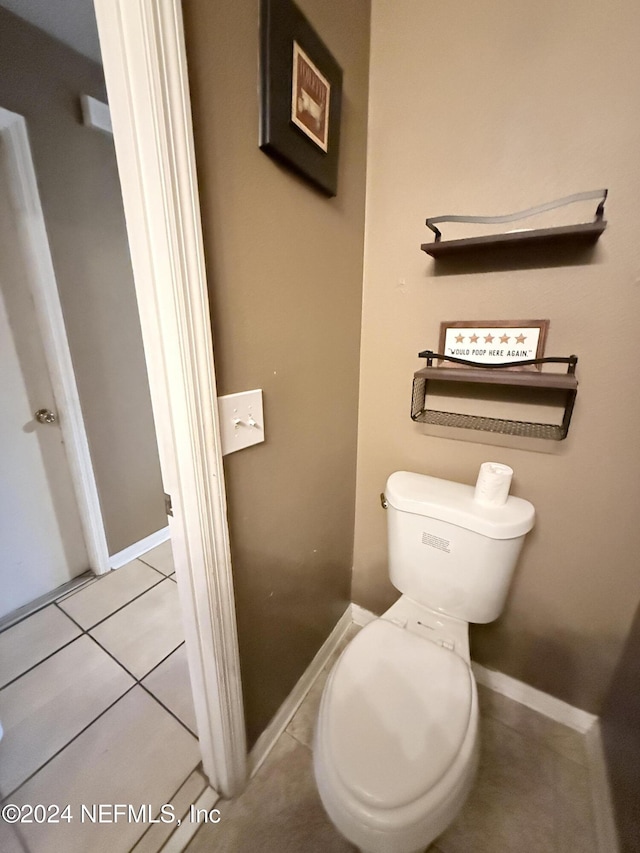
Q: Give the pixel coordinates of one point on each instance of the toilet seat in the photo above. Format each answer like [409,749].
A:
[383,789]
[397,712]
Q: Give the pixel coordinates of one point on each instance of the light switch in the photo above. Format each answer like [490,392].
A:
[241,420]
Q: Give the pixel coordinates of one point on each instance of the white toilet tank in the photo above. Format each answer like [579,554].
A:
[448,552]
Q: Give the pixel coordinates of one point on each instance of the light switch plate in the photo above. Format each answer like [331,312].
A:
[241,420]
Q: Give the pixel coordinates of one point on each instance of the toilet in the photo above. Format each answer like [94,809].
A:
[396,741]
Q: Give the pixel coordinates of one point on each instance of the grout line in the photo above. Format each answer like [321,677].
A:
[168,710]
[87,630]
[181,643]
[77,624]
[148,565]
[31,668]
[137,683]
[68,743]
[142,560]
[196,769]
[135,677]
[114,658]
[118,609]
[160,662]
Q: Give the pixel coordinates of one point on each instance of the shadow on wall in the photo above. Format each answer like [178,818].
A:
[505,259]
[621,734]
[279,598]
[545,662]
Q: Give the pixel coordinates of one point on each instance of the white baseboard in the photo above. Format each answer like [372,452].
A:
[278,724]
[139,548]
[360,616]
[603,813]
[543,703]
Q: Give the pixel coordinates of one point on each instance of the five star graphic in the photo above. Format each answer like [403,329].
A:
[489,338]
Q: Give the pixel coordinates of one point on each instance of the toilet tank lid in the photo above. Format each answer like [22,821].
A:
[453,503]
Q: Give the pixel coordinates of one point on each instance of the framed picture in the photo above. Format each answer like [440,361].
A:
[300,95]
[494,341]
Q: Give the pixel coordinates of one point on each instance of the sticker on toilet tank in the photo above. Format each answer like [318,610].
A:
[436,542]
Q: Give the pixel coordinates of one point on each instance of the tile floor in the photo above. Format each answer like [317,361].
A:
[532,793]
[96,707]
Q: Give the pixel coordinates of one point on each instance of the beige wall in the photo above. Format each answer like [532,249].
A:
[285,274]
[42,80]
[487,108]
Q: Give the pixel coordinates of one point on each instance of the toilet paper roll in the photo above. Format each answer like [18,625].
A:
[493,483]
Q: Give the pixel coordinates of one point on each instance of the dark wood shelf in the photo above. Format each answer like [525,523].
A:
[563,235]
[485,376]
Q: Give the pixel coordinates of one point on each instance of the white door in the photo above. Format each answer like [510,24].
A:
[41,536]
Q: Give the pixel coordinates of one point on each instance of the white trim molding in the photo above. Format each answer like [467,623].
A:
[138,549]
[279,723]
[535,699]
[145,68]
[44,291]
[361,616]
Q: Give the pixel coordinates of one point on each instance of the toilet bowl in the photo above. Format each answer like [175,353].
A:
[395,749]
[396,741]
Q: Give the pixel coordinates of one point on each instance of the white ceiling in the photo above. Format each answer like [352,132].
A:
[70,21]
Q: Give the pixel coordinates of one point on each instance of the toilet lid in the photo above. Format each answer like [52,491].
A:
[397,712]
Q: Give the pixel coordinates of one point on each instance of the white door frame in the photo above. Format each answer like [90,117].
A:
[44,292]
[142,44]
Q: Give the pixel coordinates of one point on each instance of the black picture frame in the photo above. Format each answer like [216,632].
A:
[300,146]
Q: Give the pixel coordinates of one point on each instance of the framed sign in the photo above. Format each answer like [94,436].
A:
[300,95]
[494,341]
[310,99]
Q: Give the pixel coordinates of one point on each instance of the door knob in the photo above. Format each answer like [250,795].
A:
[45,416]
